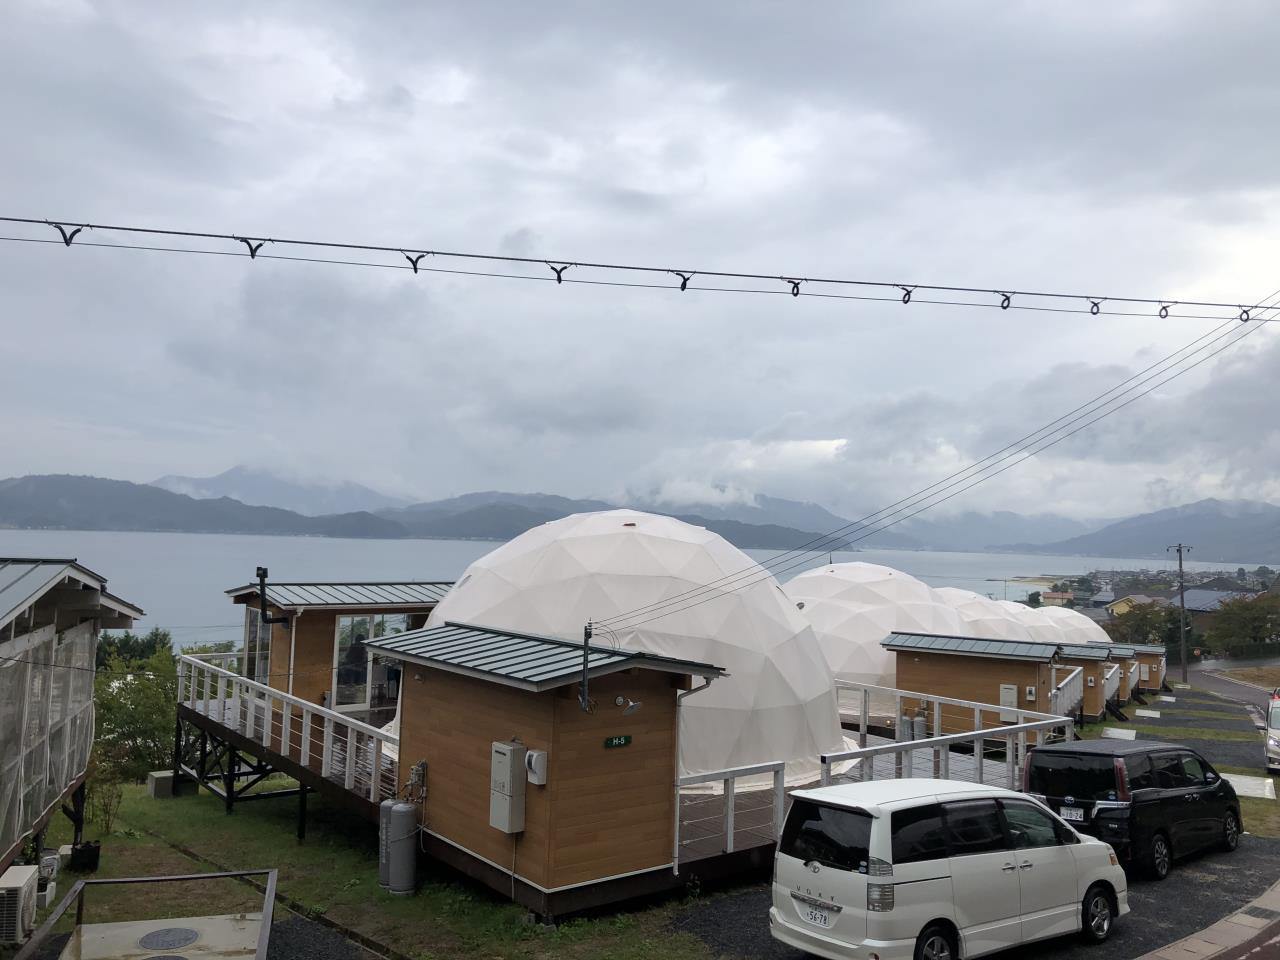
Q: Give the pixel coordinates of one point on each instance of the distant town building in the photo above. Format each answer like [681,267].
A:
[1053,598]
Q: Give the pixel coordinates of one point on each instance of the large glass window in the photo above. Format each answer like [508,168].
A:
[832,836]
[1029,826]
[257,646]
[918,834]
[973,826]
[362,680]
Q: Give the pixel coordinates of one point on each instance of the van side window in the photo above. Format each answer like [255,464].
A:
[1168,772]
[973,826]
[1138,768]
[1192,768]
[832,836]
[918,834]
[1029,826]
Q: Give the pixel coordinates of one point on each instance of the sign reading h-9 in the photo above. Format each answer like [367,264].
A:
[623,741]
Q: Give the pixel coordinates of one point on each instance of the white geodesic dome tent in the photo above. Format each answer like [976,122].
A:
[854,606]
[778,700]
[1075,626]
[983,617]
[1038,624]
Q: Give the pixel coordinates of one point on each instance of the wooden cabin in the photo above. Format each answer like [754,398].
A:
[1127,657]
[50,614]
[1151,666]
[1095,660]
[318,651]
[589,818]
[1015,675]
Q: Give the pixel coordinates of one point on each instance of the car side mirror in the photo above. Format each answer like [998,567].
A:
[1210,777]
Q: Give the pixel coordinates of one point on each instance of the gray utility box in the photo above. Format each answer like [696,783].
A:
[506,787]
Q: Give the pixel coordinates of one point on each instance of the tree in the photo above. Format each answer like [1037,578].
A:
[1033,598]
[1152,623]
[135,704]
[1242,574]
[1245,620]
[1085,585]
[131,648]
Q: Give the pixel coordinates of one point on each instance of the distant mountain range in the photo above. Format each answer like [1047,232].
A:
[264,489]
[1237,531]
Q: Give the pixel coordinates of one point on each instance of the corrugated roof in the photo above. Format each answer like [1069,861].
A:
[1087,651]
[1203,601]
[381,594]
[23,580]
[518,659]
[970,646]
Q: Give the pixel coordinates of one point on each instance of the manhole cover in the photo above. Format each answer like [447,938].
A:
[169,938]
[1262,913]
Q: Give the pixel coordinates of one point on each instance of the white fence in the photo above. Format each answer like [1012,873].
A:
[708,823]
[360,757]
[1111,682]
[1068,695]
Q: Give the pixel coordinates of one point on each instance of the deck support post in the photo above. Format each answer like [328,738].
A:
[177,750]
[230,763]
[75,813]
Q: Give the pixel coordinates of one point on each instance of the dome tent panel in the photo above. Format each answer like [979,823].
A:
[649,573]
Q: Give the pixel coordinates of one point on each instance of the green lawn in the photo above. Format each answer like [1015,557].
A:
[334,873]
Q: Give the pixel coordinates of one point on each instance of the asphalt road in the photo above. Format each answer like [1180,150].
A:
[1202,678]
[1197,893]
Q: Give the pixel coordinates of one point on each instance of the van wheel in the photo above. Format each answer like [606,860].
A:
[936,943]
[1159,857]
[1096,915]
[1230,831]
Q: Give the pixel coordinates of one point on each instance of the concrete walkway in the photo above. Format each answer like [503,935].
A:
[1252,931]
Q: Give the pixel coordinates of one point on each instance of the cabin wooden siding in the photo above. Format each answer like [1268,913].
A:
[313,639]
[613,810]
[1129,669]
[603,812]
[1094,706]
[974,678]
[1152,662]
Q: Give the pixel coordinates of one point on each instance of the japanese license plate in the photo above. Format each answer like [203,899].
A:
[819,918]
[1072,813]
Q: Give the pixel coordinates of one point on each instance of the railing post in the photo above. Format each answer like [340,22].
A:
[182,670]
[1010,759]
[945,771]
[977,719]
[349,774]
[937,718]
[1022,756]
[824,766]
[375,769]
[266,720]
[728,815]
[866,718]
[779,800]
[286,727]
[305,752]
[222,699]
[326,749]
[980,758]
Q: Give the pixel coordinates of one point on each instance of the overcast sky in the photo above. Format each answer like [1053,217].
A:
[1124,149]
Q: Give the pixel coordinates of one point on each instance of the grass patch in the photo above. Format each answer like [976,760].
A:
[1202,714]
[1268,677]
[1261,817]
[335,873]
[1094,732]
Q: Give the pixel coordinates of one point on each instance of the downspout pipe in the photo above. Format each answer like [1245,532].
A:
[675,852]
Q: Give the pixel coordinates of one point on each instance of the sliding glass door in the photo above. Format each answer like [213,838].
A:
[361,680]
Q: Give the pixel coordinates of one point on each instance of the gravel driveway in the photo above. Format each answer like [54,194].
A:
[1197,892]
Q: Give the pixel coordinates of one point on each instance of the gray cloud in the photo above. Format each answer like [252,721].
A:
[1122,149]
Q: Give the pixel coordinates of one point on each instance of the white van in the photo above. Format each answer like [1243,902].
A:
[935,870]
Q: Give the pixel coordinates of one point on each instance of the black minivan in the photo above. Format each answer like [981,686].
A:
[1151,801]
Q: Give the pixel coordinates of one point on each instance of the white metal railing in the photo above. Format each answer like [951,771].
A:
[1068,694]
[1111,682]
[705,818]
[991,756]
[1130,678]
[929,713]
[232,661]
[361,757]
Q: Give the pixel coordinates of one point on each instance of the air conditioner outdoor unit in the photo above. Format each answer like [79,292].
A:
[18,903]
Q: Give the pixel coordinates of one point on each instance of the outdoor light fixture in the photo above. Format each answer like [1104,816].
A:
[629,706]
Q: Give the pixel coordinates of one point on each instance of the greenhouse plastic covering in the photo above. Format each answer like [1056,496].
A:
[46,725]
[778,700]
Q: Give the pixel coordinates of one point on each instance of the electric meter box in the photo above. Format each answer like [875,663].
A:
[506,786]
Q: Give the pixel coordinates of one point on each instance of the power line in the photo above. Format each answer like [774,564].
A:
[655,611]
[791,283]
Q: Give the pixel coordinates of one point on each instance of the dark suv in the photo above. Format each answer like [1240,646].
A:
[1151,801]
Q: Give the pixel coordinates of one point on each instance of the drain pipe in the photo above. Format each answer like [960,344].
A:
[675,851]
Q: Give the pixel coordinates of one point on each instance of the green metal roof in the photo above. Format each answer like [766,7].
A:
[520,659]
[971,646]
[1087,651]
[1146,648]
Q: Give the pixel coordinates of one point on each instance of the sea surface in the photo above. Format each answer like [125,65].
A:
[180,579]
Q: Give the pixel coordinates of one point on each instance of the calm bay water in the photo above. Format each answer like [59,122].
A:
[179,578]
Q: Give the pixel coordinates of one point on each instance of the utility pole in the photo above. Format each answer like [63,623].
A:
[1182,603]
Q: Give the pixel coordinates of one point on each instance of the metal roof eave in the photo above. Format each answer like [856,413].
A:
[534,686]
[989,648]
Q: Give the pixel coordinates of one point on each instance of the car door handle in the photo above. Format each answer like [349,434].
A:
[1025,865]
[1009,868]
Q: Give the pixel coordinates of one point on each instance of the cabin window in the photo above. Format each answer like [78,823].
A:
[257,646]
[362,680]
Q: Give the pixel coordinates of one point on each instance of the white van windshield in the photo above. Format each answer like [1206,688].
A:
[833,836]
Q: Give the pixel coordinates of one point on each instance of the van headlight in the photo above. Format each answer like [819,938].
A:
[1273,742]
